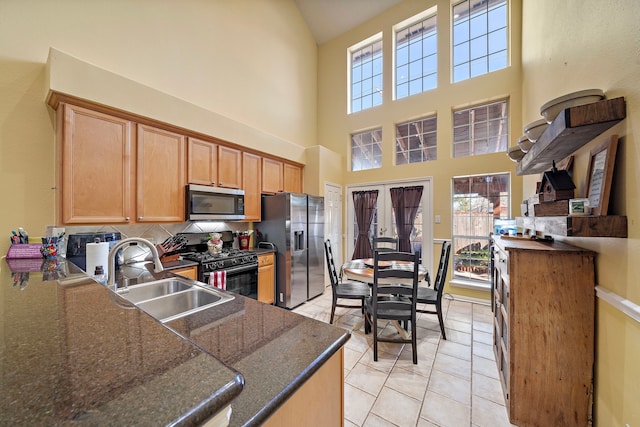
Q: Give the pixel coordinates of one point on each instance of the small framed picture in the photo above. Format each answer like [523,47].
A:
[579,207]
[600,174]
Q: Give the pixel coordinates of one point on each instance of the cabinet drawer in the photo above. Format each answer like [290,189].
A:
[501,261]
[266,259]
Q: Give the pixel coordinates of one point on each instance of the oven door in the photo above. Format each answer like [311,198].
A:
[242,280]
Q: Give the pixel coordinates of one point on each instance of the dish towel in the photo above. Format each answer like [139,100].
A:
[218,279]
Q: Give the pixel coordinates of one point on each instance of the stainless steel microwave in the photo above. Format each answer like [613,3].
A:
[207,203]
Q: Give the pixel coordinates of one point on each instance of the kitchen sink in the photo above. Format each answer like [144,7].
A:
[172,298]
[150,290]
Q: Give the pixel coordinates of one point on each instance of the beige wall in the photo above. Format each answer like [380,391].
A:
[251,61]
[575,45]
[335,125]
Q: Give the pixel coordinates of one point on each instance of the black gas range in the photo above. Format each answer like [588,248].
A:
[240,267]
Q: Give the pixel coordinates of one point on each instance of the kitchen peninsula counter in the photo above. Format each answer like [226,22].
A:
[75,353]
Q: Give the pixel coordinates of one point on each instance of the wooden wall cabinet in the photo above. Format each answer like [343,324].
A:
[266,278]
[117,168]
[95,158]
[202,162]
[544,323]
[272,176]
[252,186]
[160,175]
[292,178]
[278,177]
[229,167]
[102,176]
[213,164]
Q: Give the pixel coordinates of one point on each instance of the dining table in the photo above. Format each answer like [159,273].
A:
[361,270]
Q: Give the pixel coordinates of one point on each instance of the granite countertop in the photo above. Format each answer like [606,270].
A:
[75,353]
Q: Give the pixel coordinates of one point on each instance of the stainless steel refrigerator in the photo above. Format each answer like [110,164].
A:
[294,223]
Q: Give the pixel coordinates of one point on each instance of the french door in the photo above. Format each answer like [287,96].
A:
[384,224]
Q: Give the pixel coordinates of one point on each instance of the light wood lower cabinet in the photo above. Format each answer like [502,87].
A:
[543,306]
[188,272]
[266,278]
[319,402]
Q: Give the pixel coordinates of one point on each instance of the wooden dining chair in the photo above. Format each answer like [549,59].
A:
[433,295]
[385,244]
[393,297]
[342,289]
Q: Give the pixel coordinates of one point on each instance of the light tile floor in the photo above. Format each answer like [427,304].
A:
[455,382]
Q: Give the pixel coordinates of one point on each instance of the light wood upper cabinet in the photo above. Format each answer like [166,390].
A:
[252,185]
[229,167]
[292,178]
[272,176]
[161,177]
[116,169]
[95,172]
[202,164]
[278,176]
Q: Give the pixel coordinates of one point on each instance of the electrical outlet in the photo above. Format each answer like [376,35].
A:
[437,219]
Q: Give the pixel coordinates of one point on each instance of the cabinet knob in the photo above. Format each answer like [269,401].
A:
[139,218]
[127,219]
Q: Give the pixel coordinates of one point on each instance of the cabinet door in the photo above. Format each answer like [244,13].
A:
[272,176]
[229,167]
[96,167]
[252,185]
[266,279]
[202,165]
[161,177]
[292,178]
[188,272]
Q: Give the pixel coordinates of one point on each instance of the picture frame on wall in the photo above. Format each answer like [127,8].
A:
[600,174]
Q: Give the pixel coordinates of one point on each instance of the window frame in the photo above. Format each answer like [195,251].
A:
[501,138]
[421,136]
[470,38]
[375,141]
[490,216]
[432,12]
[376,38]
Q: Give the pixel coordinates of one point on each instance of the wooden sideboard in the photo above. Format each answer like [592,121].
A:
[543,304]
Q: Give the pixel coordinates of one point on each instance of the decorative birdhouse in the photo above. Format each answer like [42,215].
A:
[556,185]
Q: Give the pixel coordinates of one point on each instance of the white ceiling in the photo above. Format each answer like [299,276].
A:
[330,18]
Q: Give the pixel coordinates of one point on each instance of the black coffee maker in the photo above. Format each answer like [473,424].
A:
[77,245]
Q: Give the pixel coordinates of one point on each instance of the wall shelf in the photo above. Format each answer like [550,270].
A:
[573,128]
[576,226]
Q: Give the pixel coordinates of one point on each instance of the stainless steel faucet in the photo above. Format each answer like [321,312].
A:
[157,264]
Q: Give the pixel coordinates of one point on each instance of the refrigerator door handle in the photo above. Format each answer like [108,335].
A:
[298,240]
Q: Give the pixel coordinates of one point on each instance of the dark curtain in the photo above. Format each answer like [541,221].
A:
[406,201]
[364,204]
